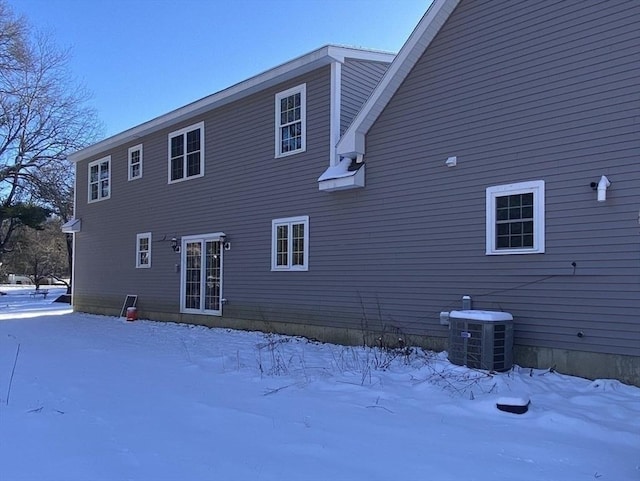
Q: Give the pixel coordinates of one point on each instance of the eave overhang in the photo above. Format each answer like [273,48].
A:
[289,70]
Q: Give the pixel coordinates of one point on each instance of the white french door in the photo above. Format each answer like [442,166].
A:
[201,275]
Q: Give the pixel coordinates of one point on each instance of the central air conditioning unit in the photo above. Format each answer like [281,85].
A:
[481,339]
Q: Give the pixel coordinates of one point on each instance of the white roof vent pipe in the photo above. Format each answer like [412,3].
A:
[603,184]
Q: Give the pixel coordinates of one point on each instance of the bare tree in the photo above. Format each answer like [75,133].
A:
[43,117]
[39,253]
[54,189]
[12,35]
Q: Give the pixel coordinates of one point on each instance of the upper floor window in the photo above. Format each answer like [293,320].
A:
[515,218]
[135,162]
[186,153]
[291,122]
[290,244]
[100,179]
[143,250]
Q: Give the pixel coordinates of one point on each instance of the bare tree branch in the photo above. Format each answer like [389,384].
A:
[43,118]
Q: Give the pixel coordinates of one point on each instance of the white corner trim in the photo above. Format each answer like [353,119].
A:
[335,111]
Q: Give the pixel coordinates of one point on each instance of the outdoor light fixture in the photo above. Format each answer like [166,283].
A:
[224,243]
[174,245]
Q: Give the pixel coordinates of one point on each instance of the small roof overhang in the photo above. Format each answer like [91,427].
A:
[346,174]
[71,227]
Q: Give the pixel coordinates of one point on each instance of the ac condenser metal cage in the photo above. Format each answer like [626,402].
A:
[481,339]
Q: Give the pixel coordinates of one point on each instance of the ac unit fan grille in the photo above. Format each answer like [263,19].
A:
[481,345]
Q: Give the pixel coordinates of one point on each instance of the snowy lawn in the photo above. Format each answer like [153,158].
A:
[87,397]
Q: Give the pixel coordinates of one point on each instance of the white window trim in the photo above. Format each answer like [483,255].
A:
[139,237]
[274,238]
[106,159]
[130,163]
[302,90]
[537,188]
[200,126]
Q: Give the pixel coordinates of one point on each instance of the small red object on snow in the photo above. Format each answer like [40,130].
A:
[132,313]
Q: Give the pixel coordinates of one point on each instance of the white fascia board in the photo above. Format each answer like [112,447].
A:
[298,66]
[341,53]
[353,140]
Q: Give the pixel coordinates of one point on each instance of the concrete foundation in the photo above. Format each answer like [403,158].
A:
[589,365]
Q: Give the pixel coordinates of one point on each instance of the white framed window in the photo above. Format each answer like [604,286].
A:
[515,218]
[186,153]
[290,244]
[135,162]
[143,250]
[291,121]
[100,179]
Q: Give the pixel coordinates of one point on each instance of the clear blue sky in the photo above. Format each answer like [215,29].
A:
[144,58]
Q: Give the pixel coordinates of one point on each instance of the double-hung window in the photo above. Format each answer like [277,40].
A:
[135,162]
[143,250]
[100,179]
[291,121]
[186,153]
[515,218]
[290,244]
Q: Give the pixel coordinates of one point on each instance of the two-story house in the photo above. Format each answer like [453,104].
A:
[207,213]
[496,158]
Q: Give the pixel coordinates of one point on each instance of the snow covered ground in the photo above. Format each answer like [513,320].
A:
[86,397]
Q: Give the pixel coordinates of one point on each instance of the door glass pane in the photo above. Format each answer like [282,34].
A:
[212,280]
[193,275]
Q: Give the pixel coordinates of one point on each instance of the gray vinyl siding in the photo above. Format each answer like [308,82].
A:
[359,78]
[518,91]
[243,189]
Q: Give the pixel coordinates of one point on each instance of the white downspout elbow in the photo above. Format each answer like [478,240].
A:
[602,188]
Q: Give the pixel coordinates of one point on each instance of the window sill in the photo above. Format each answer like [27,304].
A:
[280,155]
[185,179]
[514,252]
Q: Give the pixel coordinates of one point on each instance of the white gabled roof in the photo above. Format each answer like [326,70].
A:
[298,66]
[353,140]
